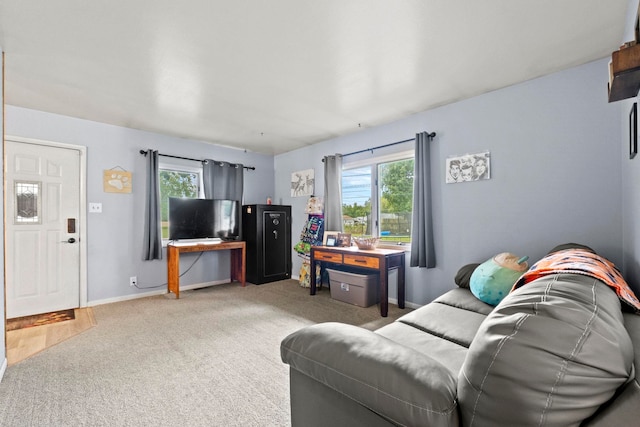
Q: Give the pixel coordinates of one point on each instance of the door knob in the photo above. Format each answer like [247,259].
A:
[69,240]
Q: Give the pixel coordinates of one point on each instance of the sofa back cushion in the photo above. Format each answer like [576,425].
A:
[624,408]
[549,354]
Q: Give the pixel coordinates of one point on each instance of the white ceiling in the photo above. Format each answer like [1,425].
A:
[273,76]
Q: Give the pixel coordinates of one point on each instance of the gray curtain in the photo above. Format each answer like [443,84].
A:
[422,245]
[223,180]
[333,192]
[152,246]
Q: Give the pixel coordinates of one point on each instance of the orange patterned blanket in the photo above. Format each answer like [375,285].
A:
[579,261]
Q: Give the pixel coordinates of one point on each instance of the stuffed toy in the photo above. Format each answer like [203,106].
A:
[492,280]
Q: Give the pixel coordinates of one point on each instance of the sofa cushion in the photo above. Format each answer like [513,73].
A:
[623,408]
[444,321]
[450,354]
[400,384]
[632,324]
[550,354]
[465,300]
[443,329]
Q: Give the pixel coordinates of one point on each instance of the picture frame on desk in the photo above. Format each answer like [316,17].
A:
[330,238]
[344,239]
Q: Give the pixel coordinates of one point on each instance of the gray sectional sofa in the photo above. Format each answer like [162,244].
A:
[559,351]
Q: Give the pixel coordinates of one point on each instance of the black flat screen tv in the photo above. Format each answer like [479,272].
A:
[226,219]
[191,218]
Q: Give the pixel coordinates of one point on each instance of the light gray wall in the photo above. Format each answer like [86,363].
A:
[555,143]
[555,173]
[3,348]
[630,178]
[115,236]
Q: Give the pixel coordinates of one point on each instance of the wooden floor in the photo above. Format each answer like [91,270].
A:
[26,342]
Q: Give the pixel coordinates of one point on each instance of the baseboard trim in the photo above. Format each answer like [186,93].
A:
[407,304]
[3,368]
[163,291]
[160,291]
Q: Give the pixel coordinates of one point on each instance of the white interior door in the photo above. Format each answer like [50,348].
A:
[42,225]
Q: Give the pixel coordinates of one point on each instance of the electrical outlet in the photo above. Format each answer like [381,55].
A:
[133,281]
[95,207]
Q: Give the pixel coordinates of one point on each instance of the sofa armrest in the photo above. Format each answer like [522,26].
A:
[397,382]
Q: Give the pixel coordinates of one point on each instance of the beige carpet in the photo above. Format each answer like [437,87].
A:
[211,358]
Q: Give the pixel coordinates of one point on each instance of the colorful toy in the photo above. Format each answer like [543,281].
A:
[492,280]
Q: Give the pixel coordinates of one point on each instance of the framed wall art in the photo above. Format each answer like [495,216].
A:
[633,131]
[302,183]
[470,167]
[116,181]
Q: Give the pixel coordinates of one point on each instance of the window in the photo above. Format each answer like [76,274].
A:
[27,202]
[377,198]
[177,181]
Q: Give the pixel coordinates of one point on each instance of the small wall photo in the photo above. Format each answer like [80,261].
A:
[470,167]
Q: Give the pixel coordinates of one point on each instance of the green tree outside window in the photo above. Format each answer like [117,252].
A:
[175,183]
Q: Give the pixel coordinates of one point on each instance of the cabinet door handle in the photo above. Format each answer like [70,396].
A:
[275,234]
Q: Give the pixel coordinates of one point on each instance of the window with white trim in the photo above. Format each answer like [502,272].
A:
[377,198]
[177,181]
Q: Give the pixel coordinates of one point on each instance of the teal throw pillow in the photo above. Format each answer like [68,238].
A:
[492,280]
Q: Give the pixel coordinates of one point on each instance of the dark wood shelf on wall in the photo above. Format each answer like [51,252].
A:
[625,73]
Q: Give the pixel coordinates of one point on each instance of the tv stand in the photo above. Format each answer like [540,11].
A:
[238,256]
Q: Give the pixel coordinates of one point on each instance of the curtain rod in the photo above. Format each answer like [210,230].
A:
[144,153]
[430,135]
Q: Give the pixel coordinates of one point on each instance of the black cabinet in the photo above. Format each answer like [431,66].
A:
[267,231]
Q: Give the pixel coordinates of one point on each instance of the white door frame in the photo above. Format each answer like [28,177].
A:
[82,235]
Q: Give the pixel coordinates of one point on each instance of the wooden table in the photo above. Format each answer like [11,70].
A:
[238,256]
[381,260]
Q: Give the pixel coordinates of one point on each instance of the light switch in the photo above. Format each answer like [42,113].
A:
[95,207]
